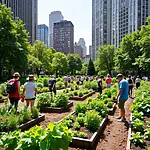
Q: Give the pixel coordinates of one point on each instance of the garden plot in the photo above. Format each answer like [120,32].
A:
[139,131]
[53,104]
[24,119]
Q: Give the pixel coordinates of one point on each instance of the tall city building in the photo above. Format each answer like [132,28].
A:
[43,33]
[128,16]
[26,10]
[90,51]
[63,36]
[83,45]
[101,24]
[54,17]
[78,49]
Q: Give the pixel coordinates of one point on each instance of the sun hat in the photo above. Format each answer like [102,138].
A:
[16,74]
[119,75]
[31,77]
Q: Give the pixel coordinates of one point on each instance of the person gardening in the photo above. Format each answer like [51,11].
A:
[13,90]
[30,91]
[100,88]
[52,85]
[108,81]
[122,96]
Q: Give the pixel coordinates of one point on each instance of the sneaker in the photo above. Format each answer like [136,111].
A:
[118,117]
[122,120]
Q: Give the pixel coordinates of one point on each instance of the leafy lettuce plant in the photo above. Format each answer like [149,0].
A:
[138,125]
[137,138]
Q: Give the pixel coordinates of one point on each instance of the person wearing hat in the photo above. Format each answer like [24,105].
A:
[30,91]
[122,96]
[13,90]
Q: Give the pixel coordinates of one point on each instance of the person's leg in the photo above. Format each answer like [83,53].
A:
[11,103]
[27,103]
[122,110]
[32,103]
[16,103]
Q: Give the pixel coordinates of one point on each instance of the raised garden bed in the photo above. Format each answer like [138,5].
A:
[56,109]
[130,145]
[112,110]
[77,98]
[88,143]
[3,99]
[32,123]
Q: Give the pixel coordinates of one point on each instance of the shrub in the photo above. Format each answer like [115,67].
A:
[2,88]
[110,104]
[76,125]
[35,112]
[80,94]
[100,107]
[80,108]
[89,100]
[61,99]
[44,99]
[80,120]
[45,82]
[82,135]
[70,117]
[92,120]
[94,85]
[39,85]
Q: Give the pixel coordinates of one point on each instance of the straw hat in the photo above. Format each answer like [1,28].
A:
[31,77]
[119,76]
[16,74]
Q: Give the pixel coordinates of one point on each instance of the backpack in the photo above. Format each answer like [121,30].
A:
[10,88]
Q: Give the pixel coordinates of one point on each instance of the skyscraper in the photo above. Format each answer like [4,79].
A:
[26,10]
[43,33]
[78,49]
[129,16]
[83,45]
[54,17]
[101,24]
[63,36]
[90,51]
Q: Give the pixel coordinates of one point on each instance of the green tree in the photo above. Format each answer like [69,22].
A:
[91,68]
[13,42]
[43,55]
[105,58]
[59,63]
[74,63]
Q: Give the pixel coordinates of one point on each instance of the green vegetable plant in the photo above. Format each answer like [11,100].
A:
[80,120]
[70,117]
[147,133]
[76,125]
[137,138]
[80,94]
[138,115]
[138,125]
[80,107]
[82,135]
[92,120]
[68,123]
[35,112]
[55,137]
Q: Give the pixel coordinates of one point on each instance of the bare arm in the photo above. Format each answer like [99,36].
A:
[23,92]
[36,91]
[120,91]
[19,88]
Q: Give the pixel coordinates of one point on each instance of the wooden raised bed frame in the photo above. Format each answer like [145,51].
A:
[32,123]
[56,109]
[77,98]
[112,110]
[3,99]
[88,143]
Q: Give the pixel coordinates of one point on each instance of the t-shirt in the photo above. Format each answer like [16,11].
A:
[130,82]
[108,80]
[99,83]
[138,80]
[30,90]
[123,84]
[16,93]
[52,82]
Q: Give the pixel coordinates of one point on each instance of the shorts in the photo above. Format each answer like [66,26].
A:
[31,99]
[108,85]
[121,103]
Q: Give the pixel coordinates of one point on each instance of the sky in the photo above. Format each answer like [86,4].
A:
[77,11]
